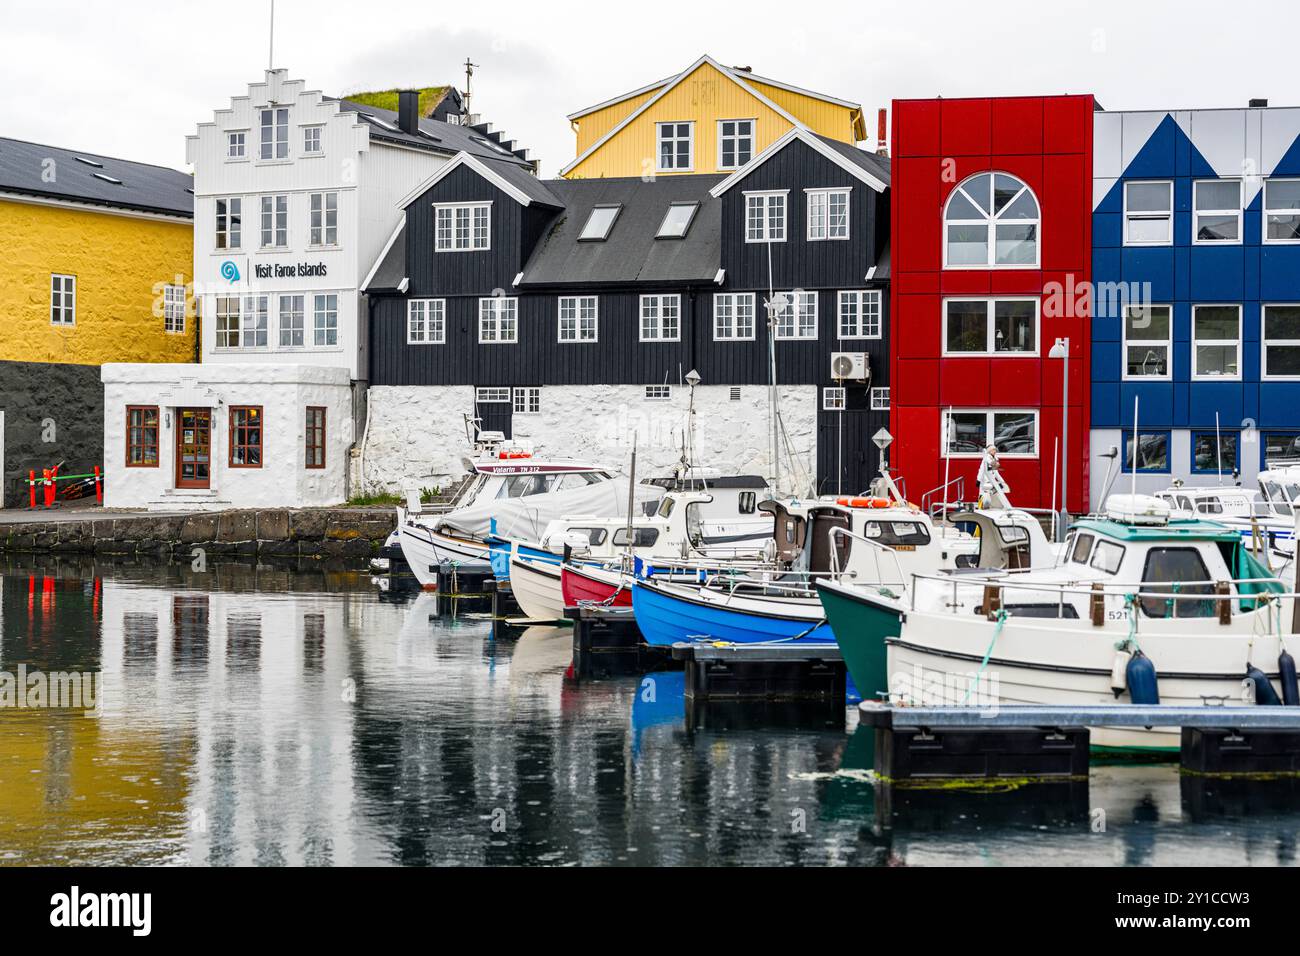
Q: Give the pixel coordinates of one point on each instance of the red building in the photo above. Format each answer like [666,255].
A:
[991,222]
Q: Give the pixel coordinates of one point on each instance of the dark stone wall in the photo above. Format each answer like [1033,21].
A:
[43,400]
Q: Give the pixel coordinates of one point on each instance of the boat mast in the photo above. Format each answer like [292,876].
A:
[772,411]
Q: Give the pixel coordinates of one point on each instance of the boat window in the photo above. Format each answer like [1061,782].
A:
[666,507]
[895,533]
[641,537]
[1082,546]
[748,500]
[522,486]
[1273,493]
[1186,504]
[1210,506]
[1181,566]
[594,536]
[1012,534]
[1058,610]
[1107,556]
[1293,492]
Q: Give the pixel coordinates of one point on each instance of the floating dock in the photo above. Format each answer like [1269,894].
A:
[762,672]
[608,643]
[1043,742]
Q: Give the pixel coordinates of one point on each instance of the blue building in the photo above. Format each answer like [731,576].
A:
[1196,302]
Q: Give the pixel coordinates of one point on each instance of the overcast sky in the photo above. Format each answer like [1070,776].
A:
[133,78]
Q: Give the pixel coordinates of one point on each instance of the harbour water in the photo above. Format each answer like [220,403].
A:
[280,715]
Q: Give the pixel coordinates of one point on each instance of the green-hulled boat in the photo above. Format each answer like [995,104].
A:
[862,618]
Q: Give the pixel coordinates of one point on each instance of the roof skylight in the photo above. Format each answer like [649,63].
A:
[599,223]
[677,220]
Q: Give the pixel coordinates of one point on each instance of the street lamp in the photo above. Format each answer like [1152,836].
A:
[1061,350]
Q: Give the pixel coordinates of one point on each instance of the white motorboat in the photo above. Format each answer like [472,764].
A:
[1143,607]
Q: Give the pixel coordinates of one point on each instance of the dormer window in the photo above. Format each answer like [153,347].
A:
[677,220]
[599,223]
[275,133]
[462,227]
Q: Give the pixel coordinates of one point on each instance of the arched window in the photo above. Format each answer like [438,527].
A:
[991,221]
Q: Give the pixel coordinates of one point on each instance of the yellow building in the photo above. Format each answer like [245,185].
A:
[98,259]
[707,119]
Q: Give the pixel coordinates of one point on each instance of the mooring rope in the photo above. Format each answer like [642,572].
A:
[1002,619]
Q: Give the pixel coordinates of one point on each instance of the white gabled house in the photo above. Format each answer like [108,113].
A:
[295,196]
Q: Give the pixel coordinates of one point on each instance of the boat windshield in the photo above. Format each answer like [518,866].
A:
[524,486]
[896,533]
[1183,567]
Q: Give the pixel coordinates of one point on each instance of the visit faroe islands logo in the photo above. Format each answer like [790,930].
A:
[229,271]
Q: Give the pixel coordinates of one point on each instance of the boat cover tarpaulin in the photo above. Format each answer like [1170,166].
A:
[524,519]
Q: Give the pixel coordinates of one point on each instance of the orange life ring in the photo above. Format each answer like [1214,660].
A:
[864,502]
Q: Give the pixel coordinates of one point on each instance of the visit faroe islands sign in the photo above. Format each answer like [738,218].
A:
[291,271]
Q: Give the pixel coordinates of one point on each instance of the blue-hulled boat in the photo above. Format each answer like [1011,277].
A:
[735,612]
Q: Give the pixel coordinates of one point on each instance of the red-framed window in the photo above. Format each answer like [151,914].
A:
[315,432]
[142,436]
[246,436]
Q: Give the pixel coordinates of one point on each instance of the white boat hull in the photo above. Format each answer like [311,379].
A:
[1058,662]
[425,550]
[536,587]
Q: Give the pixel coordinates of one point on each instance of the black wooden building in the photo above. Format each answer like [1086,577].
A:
[501,281]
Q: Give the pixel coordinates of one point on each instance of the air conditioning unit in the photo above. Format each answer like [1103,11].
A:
[850,366]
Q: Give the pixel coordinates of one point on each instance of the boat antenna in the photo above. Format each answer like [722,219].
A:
[771,371]
[1133,472]
[1218,449]
[631,501]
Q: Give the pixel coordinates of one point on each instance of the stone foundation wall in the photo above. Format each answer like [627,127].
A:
[312,533]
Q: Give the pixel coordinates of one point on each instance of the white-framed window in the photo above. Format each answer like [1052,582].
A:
[735,143]
[733,316]
[765,216]
[498,320]
[325,319]
[1216,211]
[797,318]
[63,299]
[1147,331]
[859,314]
[237,144]
[967,432]
[880,399]
[293,321]
[1149,213]
[1216,342]
[599,222]
[658,393]
[1281,210]
[311,140]
[527,400]
[426,321]
[677,220]
[578,318]
[1280,327]
[227,327]
[275,222]
[462,227]
[828,214]
[491,395]
[990,326]
[834,398]
[1280,341]
[173,308]
[229,222]
[676,146]
[324,208]
[991,221]
[254,325]
[275,133]
[661,318]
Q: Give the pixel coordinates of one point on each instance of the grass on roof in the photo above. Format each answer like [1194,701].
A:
[430,97]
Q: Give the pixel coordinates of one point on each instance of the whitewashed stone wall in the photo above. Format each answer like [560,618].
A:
[417,436]
[283,391]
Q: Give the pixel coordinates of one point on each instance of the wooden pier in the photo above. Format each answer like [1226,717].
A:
[1044,742]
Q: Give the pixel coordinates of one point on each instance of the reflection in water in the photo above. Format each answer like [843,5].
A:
[271,716]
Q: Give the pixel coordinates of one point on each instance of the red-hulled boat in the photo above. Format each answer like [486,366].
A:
[599,585]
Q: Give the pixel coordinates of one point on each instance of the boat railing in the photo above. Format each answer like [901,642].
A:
[1224,591]
[771,579]
[953,492]
[876,551]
